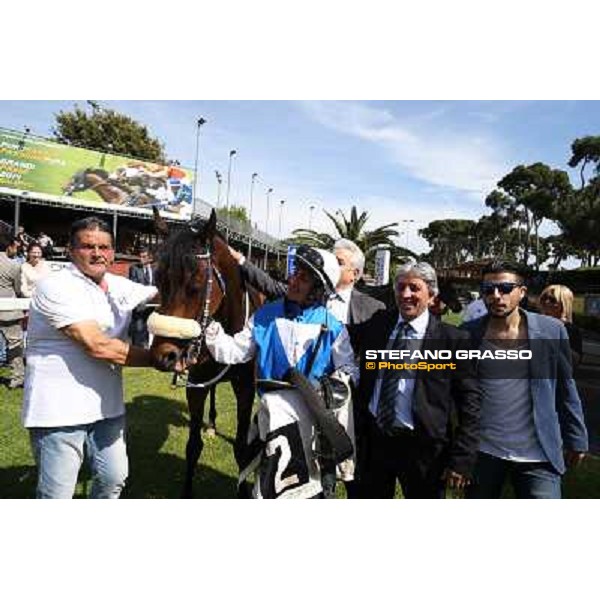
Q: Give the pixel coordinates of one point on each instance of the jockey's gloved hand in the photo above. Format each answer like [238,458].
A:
[212,331]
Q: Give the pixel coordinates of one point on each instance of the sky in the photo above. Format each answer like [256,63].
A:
[401,161]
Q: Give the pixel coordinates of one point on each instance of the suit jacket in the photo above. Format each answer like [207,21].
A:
[362,308]
[137,274]
[557,410]
[446,407]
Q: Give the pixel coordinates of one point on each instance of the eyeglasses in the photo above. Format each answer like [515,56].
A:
[504,287]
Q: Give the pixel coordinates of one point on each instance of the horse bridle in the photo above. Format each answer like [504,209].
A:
[203,318]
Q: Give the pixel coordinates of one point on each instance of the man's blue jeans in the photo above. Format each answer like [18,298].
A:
[59,453]
[529,479]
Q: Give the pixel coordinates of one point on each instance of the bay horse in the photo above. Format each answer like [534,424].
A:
[198,280]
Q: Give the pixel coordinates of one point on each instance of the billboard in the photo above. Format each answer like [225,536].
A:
[77,175]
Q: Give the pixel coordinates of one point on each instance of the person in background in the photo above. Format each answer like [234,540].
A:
[46,243]
[474,310]
[557,301]
[11,321]
[32,271]
[13,251]
[22,238]
[144,273]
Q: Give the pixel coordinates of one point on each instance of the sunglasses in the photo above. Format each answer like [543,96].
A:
[504,287]
[549,300]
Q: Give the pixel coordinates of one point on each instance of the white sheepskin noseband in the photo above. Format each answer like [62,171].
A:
[173,327]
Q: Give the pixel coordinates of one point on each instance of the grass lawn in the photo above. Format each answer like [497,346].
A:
[157,434]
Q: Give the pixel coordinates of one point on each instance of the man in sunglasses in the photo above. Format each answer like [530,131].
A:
[531,425]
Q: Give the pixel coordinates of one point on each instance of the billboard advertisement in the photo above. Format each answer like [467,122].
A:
[77,175]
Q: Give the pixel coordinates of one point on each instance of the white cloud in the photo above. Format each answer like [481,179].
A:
[469,161]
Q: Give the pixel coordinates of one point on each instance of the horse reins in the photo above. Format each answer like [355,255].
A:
[204,317]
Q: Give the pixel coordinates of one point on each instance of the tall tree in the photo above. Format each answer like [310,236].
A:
[578,217]
[452,241]
[585,150]
[107,130]
[527,195]
[353,228]
[237,213]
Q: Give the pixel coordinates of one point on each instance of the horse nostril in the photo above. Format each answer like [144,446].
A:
[171,358]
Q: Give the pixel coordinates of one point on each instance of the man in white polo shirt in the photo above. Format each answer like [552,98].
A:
[73,384]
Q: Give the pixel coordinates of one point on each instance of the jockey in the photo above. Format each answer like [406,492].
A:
[296,332]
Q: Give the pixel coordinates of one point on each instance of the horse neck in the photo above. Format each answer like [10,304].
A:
[234,300]
[107,191]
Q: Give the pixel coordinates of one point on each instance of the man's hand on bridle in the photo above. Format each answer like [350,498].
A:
[238,256]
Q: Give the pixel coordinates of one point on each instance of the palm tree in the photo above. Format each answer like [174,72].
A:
[353,229]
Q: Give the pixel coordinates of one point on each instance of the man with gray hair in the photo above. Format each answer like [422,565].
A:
[349,305]
[422,430]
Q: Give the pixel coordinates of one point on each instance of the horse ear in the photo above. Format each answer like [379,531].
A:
[211,225]
[160,225]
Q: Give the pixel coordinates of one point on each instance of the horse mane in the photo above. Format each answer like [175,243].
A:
[99,172]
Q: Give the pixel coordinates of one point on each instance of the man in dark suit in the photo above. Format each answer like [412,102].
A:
[144,273]
[422,430]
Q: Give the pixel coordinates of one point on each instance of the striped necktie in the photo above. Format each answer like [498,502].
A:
[386,409]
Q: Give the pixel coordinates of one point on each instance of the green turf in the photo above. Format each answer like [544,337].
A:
[157,434]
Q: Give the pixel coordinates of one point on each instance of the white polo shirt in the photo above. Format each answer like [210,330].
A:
[63,385]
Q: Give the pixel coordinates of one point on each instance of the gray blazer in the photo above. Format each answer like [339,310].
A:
[557,409]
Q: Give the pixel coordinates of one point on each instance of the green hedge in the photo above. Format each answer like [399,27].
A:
[587,322]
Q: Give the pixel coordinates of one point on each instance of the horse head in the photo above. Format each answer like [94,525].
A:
[76,183]
[84,179]
[192,291]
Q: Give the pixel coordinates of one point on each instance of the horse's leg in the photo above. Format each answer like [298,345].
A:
[211,428]
[195,399]
[243,387]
